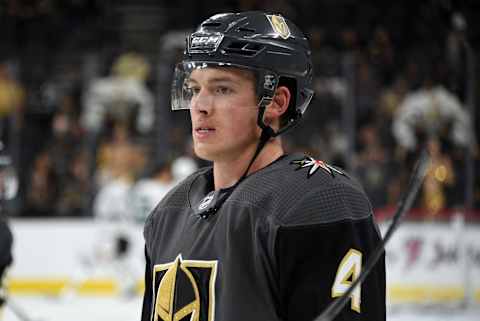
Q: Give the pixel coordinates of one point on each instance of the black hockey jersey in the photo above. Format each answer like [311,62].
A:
[287,241]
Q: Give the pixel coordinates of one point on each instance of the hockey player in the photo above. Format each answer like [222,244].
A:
[259,235]
[5,257]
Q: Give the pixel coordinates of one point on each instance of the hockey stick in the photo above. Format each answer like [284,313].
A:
[334,308]
[17,311]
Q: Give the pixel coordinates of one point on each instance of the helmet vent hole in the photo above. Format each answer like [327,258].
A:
[243,48]
[244,29]
[211,24]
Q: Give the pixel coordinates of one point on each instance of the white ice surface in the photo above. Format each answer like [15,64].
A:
[128,309]
[74,309]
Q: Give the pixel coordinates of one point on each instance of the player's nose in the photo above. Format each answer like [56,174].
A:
[202,102]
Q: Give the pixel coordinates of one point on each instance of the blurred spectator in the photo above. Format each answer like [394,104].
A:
[367,89]
[66,136]
[389,101]
[456,54]
[440,175]
[123,96]
[12,94]
[74,197]
[391,98]
[373,168]
[42,191]
[120,161]
[147,192]
[112,201]
[118,156]
[12,99]
[431,111]
[62,149]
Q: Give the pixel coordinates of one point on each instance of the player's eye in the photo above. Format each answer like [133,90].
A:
[223,90]
[193,90]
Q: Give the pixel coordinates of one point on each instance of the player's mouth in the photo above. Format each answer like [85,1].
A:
[203,132]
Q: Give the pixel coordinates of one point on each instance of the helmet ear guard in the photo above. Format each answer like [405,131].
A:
[294,112]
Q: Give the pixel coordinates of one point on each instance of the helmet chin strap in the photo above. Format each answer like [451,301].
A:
[217,198]
[267,133]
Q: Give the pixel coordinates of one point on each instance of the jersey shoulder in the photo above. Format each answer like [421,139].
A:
[300,189]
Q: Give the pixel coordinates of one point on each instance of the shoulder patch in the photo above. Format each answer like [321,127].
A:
[313,165]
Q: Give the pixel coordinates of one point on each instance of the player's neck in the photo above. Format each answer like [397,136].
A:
[226,174]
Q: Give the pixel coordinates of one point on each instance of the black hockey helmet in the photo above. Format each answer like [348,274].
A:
[268,44]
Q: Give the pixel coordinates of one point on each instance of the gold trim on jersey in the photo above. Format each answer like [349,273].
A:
[347,272]
[164,298]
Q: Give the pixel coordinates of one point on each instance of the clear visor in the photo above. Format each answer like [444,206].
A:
[184,89]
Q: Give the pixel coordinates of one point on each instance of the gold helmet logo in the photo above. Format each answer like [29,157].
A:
[179,293]
[279,25]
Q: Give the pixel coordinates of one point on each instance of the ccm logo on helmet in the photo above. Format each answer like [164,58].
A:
[205,43]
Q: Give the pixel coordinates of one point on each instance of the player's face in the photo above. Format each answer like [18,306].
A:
[223,113]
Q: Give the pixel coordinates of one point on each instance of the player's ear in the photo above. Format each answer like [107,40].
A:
[278,106]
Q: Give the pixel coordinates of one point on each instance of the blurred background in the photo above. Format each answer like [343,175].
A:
[88,144]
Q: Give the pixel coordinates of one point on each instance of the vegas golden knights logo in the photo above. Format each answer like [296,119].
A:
[279,25]
[184,290]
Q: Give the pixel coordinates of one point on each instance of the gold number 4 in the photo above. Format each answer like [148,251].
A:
[347,272]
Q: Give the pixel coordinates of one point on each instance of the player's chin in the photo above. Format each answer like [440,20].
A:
[203,151]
